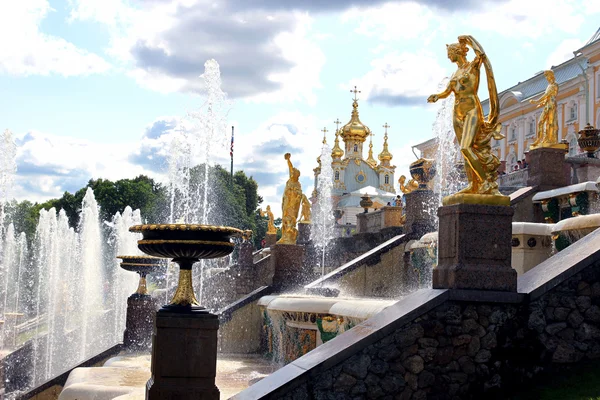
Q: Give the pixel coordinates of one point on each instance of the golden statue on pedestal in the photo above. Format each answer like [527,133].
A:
[305,213]
[547,132]
[473,131]
[271,229]
[290,205]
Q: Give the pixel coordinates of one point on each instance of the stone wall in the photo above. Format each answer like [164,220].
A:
[377,220]
[456,344]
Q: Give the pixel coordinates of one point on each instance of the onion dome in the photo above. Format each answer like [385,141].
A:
[355,130]
[337,151]
[370,160]
[385,156]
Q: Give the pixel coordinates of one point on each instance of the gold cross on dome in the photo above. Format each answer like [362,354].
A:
[386,126]
[324,130]
[337,123]
[355,92]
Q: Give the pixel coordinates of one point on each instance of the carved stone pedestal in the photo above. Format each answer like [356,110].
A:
[270,239]
[139,322]
[288,264]
[184,357]
[419,213]
[303,233]
[547,167]
[474,248]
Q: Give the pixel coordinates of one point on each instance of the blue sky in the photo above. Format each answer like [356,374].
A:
[93,88]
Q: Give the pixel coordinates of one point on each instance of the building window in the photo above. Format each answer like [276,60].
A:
[513,133]
[337,175]
[356,148]
[387,179]
[531,128]
[598,86]
[573,112]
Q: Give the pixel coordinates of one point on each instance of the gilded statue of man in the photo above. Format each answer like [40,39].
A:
[271,229]
[547,133]
[290,206]
[305,213]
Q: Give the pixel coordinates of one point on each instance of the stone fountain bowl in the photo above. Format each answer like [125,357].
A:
[186,241]
[145,264]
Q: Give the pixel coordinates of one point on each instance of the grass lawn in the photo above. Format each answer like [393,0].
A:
[579,383]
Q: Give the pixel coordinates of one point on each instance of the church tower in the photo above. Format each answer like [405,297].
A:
[385,169]
[354,133]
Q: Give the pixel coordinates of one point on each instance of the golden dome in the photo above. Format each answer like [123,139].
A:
[355,130]
[385,155]
[337,151]
[371,161]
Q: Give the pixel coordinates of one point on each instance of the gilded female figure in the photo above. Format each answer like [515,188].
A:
[271,229]
[472,130]
[547,133]
[305,212]
[290,205]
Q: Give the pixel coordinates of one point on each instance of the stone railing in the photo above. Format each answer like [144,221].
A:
[375,221]
[514,179]
[459,343]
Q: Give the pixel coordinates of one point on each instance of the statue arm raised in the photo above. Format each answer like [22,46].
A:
[289,162]
[477,48]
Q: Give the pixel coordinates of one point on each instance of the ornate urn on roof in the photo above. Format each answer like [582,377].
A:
[366,202]
[589,140]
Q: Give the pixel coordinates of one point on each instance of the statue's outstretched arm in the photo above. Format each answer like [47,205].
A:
[289,162]
[442,95]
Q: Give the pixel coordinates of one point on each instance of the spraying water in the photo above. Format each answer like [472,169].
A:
[323,228]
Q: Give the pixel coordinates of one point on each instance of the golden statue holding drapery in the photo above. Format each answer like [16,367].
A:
[547,128]
[290,206]
[305,213]
[474,132]
[271,229]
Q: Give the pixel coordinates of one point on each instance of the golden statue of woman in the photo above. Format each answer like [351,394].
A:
[474,132]
[547,133]
[271,229]
[290,205]
[305,212]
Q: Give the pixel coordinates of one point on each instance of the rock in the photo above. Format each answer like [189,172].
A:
[568,301]
[549,313]
[498,317]
[484,310]
[575,319]
[444,355]
[428,342]
[374,392]
[414,364]
[549,342]
[397,367]
[483,356]
[411,380]
[470,326]
[344,382]
[419,395]
[470,312]
[453,315]
[583,289]
[595,289]
[484,321]
[405,395]
[372,380]
[489,341]
[409,336]
[537,321]
[357,366]
[561,313]
[358,389]
[494,383]
[379,367]
[409,351]
[459,377]
[567,334]
[565,353]
[583,303]
[461,340]
[428,354]
[389,352]
[453,389]
[392,383]
[325,381]
[467,365]
[474,346]
[587,332]
[453,330]
[426,379]
[432,328]
[593,314]
[553,329]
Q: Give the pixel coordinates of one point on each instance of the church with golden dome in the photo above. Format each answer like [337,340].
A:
[353,175]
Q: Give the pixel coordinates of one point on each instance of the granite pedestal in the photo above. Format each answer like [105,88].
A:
[270,239]
[184,356]
[245,280]
[139,322]
[303,233]
[288,266]
[547,168]
[474,248]
[419,213]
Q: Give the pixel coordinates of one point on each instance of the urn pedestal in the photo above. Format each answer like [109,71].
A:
[288,264]
[474,248]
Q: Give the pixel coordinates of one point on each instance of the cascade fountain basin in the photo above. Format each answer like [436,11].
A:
[186,241]
[570,230]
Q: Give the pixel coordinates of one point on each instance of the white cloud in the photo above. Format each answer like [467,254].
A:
[563,52]
[265,55]
[401,78]
[25,50]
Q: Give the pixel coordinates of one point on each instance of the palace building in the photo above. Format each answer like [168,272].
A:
[578,103]
[355,176]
